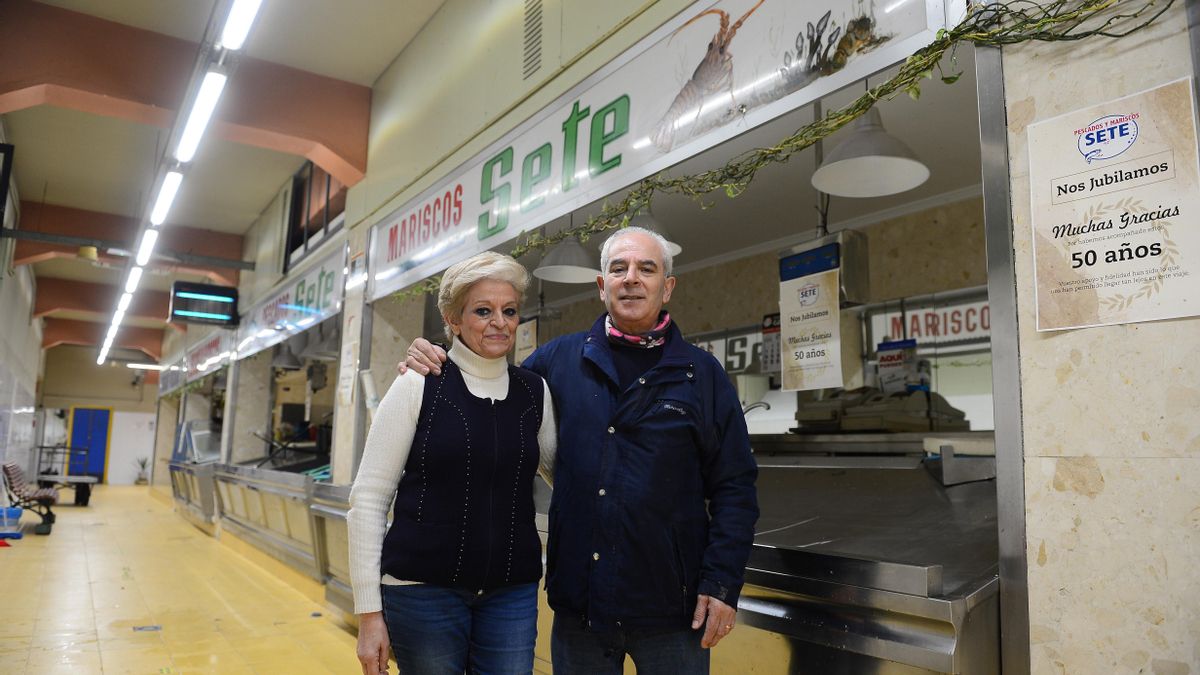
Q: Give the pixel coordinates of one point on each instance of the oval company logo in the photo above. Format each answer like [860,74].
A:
[1107,137]
[809,294]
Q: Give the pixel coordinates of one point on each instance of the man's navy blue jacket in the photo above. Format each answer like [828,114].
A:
[631,540]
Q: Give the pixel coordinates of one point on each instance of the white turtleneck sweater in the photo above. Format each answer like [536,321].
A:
[386,452]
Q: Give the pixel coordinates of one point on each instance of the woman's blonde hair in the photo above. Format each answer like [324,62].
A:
[462,275]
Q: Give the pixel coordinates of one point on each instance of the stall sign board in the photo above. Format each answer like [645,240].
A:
[712,72]
[300,301]
[945,324]
[209,355]
[811,331]
[1115,192]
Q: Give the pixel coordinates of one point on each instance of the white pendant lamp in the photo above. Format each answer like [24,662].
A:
[646,220]
[568,263]
[870,163]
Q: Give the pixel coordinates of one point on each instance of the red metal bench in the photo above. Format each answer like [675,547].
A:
[27,496]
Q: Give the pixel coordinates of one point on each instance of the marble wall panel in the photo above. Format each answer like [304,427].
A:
[1112,548]
[1109,414]
[395,324]
[253,411]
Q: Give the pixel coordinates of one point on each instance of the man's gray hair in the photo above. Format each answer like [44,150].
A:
[461,276]
[667,259]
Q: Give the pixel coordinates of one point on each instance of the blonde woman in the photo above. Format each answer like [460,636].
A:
[451,584]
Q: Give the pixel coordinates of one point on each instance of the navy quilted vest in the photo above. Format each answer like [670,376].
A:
[464,514]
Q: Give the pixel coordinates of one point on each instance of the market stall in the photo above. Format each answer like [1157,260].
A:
[280,436]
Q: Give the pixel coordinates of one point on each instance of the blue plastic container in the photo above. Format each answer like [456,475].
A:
[10,522]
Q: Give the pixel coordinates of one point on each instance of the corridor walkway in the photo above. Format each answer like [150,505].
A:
[127,586]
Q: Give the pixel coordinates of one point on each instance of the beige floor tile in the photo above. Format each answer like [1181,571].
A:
[68,640]
[14,662]
[293,667]
[137,661]
[42,660]
[15,644]
[127,560]
[17,628]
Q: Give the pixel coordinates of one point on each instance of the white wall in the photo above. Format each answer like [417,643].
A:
[20,354]
[132,437]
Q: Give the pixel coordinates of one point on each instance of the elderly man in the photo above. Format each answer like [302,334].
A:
[654,505]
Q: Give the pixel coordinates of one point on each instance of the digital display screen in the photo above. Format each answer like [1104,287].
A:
[204,303]
[821,259]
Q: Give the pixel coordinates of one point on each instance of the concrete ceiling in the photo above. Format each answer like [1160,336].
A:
[69,158]
[352,40]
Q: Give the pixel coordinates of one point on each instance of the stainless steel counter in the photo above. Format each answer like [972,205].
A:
[871,569]
[195,490]
[328,509]
[862,564]
[271,510]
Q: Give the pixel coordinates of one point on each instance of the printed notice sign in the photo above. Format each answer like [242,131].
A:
[810,332]
[1116,200]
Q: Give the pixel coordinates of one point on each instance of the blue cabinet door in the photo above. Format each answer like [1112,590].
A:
[89,431]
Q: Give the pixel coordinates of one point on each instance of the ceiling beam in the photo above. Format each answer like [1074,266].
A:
[54,56]
[87,333]
[47,231]
[65,295]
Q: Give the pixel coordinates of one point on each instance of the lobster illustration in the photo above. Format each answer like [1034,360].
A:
[712,76]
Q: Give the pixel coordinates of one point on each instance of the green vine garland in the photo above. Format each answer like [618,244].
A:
[989,25]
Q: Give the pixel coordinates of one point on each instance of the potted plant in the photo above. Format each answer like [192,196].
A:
[143,478]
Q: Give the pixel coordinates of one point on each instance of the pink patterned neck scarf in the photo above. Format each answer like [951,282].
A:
[655,337]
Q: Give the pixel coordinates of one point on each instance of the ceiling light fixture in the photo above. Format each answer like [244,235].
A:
[149,237]
[646,220]
[145,366]
[123,303]
[568,263]
[238,23]
[202,109]
[166,196]
[135,277]
[870,163]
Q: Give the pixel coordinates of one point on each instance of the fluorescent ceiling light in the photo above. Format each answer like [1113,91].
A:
[145,366]
[237,25]
[149,237]
[123,303]
[135,277]
[201,113]
[166,195]
[118,318]
[100,359]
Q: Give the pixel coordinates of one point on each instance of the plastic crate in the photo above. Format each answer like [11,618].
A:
[10,522]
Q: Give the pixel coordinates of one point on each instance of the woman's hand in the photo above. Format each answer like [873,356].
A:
[373,643]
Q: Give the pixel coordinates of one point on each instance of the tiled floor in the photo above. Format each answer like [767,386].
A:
[73,602]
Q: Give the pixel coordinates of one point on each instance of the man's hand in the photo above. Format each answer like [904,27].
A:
[423,357]
[716,617]
[373,643]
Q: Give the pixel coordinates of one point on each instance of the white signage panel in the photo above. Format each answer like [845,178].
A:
[209,355]
[811,332]
[935,325]
[1115,192]
[299,302]
[714,71]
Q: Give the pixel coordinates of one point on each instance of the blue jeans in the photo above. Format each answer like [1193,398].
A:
[575,650]
[436,630]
